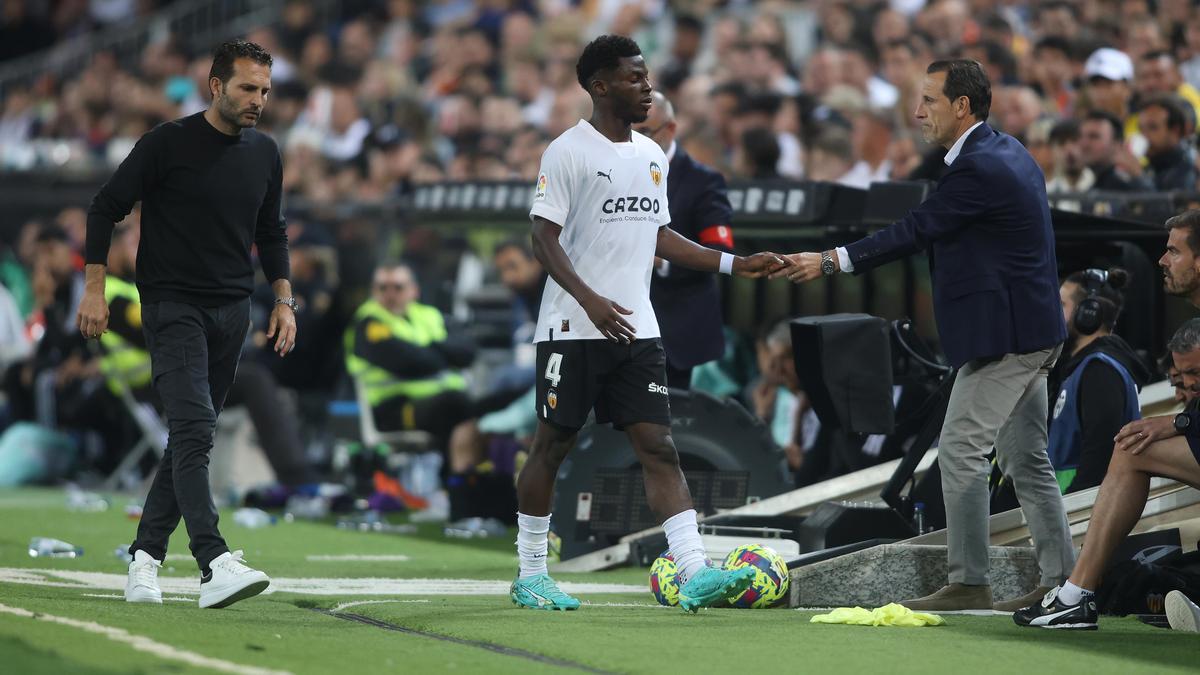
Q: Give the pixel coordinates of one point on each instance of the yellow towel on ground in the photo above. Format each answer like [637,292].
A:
[888,615]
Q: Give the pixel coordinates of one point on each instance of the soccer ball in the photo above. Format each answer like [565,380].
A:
[770,582]
[664,580]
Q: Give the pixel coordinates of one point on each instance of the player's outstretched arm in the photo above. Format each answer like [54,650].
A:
[604,313]
[686,253]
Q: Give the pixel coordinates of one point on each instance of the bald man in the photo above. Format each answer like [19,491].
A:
[687,302]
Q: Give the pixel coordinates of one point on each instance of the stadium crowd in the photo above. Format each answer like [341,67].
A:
[1104,93]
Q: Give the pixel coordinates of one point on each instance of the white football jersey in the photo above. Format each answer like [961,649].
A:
[610,199]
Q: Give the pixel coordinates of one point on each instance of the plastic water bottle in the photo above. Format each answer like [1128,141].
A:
[420,477]
[253,518]
[919,517]
[122,554]
[86,502]
[44,547]
[306,508]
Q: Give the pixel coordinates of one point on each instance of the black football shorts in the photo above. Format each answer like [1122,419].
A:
[624,383]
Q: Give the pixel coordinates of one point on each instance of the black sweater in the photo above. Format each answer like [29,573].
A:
[206,197]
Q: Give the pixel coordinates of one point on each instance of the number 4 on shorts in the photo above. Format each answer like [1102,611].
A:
[553,364]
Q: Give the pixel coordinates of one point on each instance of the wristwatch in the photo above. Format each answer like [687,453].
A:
[827,267]
[1182,422]
[290,302]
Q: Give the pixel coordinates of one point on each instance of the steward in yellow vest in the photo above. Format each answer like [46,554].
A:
[125,359]
[399,350]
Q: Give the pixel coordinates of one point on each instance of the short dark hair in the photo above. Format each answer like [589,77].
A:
[1113,121]
[1176,117]
[1055,43]
[1190,220]
[603,53]
[965,77]
[1108,291]
[228,52]
[521,244]
[762,150]
[52,233]
[1063,131]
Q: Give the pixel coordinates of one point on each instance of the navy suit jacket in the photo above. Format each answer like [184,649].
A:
[686,302]
[991,251]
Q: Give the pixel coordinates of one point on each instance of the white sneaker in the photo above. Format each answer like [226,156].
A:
[230,581]
[142,584]
[1182,614]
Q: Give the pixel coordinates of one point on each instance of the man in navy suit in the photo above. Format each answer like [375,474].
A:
[995,293]
[686,302]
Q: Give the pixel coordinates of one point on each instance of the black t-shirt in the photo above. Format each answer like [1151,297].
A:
[206,197]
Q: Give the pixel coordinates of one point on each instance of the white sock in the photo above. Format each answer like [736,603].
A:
[683,539]
[1070,594]
[532,536]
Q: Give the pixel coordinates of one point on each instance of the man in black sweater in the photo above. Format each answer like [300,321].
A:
[210,188]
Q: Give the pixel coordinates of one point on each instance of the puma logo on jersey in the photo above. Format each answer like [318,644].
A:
[601,174]
[657,389]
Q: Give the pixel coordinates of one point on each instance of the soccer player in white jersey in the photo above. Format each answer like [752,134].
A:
[599,217]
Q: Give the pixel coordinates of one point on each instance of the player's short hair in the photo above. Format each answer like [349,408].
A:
[1186,338]
[603,53]
[228,52]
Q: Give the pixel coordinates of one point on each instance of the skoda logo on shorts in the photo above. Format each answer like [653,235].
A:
[552,399]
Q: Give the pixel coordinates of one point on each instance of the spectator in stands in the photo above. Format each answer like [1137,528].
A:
[776,398]
[1097,382]
[1101,142]
[1158,75]
[1167,446]
[404,359]
[1070,174]
[872,139]
[1172,162]
[758,154]
[1017,108]
[1108,73]
[1053,73]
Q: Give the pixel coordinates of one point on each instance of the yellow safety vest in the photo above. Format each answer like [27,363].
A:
[420,325]
[123,362]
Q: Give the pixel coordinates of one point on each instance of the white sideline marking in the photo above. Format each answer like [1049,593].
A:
[122,597]
[347,605]
[190,585]
[142,643]
[356,558]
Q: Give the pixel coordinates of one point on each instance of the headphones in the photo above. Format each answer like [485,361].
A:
[1089,315]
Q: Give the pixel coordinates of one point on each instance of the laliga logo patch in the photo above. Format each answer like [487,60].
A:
[541,187]
[655,173]
[552,399]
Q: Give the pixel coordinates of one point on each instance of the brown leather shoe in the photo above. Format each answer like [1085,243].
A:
[1022,602]
[953,597]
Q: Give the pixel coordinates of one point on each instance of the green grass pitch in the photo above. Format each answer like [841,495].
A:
[347,615]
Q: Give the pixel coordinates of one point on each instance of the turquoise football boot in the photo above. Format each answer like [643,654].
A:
[713,584]
[540,592]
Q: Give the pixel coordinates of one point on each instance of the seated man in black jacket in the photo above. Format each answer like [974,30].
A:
[1102,141]
[1097,381]
[1167,446]
[1163,122]
[401,354]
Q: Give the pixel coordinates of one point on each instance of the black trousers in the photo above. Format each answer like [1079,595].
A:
[194,355]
